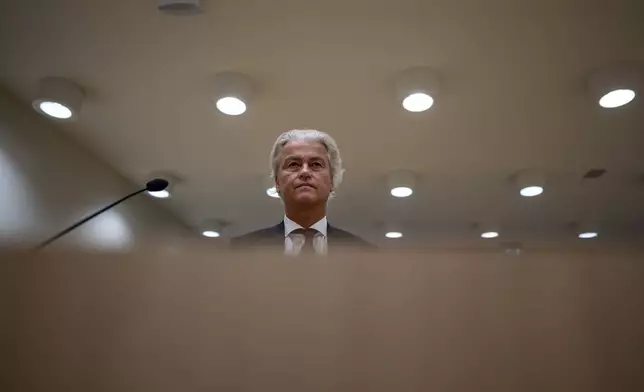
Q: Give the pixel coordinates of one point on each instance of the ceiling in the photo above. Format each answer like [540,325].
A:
[512,97]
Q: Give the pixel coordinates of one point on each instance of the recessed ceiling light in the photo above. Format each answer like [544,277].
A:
[529,182]
[231,106]
[213,228]
[531,191]
[58,98]
[616,98]
[272,192]
[393,234]
[615,85]
[160,194]
[418,102]
[490,234]
[56,110]
[232,92]
[417,88]
[401,191]
[401,183]
[586,228]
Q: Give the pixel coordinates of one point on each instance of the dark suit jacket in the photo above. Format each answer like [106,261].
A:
[274,237]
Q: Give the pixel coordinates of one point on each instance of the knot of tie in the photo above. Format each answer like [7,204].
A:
[308,233]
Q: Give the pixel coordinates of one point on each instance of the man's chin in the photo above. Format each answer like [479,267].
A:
[306,199]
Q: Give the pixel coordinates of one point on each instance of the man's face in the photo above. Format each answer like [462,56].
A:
[304,175]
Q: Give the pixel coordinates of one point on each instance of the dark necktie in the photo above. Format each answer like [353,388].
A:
[307,247]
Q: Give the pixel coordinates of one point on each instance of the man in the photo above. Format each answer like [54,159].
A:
[307,170]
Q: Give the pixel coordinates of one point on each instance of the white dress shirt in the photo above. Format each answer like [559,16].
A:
[293,242]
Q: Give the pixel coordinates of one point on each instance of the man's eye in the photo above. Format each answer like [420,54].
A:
[293,164]
[317,164]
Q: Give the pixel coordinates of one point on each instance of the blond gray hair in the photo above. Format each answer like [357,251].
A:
[333,153]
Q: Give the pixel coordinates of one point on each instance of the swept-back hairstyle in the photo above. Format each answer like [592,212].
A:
[327,141]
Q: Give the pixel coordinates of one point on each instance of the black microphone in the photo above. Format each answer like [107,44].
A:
[155,185]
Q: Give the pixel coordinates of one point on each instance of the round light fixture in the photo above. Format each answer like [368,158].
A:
[417,88]
[232,92]
[54,109]
[531,191]
[210,234]
[231,106]
[272,192]
[489,234]
[58,98]
[401,183]
[616,85]
[213,228]
[529,182]
[401,191]
[393,234]
[417,102]
[586,229]
[617,98]
[160,194]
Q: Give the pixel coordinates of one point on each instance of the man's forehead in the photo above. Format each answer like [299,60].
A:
[304,148]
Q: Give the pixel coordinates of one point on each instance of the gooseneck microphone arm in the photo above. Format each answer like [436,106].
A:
[152,186]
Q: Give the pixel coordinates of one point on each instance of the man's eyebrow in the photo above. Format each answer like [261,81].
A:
[298,158]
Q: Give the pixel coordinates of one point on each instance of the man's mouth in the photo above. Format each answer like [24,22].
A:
[305,185]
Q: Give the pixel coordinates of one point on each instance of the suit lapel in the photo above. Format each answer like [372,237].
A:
[277,234]
[278,229]
[330,236]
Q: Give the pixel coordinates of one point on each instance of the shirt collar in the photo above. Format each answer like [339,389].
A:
[289,226]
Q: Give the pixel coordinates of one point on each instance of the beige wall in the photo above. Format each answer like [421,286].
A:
[48,182]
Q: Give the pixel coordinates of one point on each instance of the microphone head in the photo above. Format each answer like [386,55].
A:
[156,185]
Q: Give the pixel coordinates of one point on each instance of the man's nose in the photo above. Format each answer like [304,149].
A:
[305,171]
